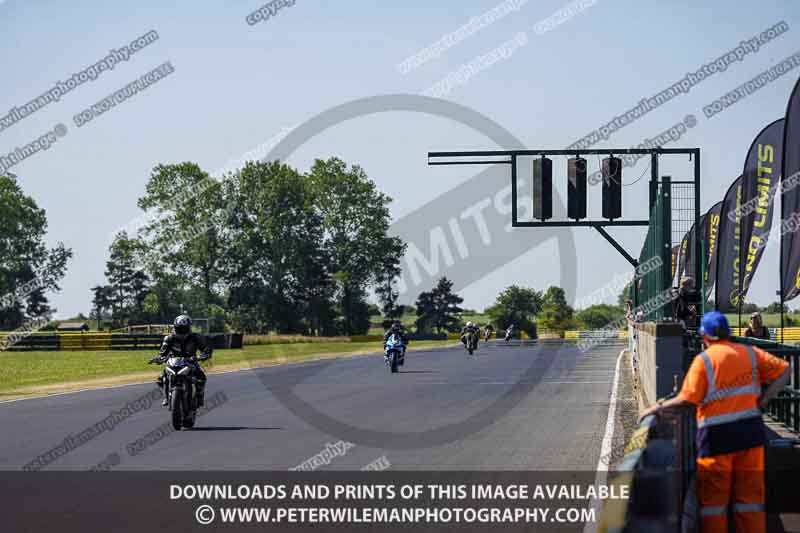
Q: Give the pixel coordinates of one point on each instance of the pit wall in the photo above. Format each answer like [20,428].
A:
[658,353]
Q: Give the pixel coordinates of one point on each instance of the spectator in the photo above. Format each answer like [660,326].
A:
[756,327]
[684,303]
[724,383]
[629,310]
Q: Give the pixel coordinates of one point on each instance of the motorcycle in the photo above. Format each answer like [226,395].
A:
[472,342]
[395,352]
[487,334]
[181,389]
[509,333]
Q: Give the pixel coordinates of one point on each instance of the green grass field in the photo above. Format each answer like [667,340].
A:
[28,370]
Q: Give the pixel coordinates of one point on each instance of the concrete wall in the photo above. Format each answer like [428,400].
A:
[658,359]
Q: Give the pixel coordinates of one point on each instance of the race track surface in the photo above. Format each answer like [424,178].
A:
[512,406]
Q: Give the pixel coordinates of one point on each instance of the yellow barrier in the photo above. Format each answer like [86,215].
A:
[575,334]
[84,341]
[366,338]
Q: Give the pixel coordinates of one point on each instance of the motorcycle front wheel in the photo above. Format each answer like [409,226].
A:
[176,407]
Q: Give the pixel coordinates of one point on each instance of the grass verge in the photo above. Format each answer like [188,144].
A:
[34,373]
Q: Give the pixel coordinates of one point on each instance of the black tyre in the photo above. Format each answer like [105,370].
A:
[176,406]
[188,422]
[394,362]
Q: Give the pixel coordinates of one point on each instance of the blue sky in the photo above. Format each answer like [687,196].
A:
[235,86]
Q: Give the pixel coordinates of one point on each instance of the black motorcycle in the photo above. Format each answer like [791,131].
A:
[472,342]
[181,387]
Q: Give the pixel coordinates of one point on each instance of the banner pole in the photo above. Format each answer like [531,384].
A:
[780,258]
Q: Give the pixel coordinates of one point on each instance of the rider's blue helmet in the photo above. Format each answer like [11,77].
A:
[715,326]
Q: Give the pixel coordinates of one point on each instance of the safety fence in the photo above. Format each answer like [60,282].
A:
[672,218]
[784,409]
[656,249]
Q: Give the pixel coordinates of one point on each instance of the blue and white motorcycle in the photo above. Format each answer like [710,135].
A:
[395,352]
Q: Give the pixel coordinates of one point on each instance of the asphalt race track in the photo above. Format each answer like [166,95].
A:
[511,406]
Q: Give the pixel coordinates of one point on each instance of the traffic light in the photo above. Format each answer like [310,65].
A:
[576,188]
[612,187]
[542,188]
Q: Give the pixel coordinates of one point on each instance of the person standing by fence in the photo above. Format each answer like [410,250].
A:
[756,327]
[724,383]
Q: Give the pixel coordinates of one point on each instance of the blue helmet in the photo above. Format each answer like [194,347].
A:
[715,326]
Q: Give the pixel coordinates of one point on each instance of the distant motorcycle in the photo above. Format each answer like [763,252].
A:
[509,333]
[487,334]
[395,352]
[181,389]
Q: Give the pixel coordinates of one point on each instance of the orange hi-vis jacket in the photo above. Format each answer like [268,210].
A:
[724,382]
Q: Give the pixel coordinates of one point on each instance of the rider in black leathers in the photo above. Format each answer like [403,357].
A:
[471,327]
[398,329]
[184,343]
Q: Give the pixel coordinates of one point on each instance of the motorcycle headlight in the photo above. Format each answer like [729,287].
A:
[170,371]
[184,370]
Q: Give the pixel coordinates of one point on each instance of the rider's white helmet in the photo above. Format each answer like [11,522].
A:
[470,324]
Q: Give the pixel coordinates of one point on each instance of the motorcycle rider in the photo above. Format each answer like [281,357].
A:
[488,331]
[182,342]
[397,329]
[469,328]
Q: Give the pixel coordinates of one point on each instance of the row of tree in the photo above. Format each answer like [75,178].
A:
[265,249]
[438,310]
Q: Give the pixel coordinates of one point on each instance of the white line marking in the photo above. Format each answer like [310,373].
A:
[605,447]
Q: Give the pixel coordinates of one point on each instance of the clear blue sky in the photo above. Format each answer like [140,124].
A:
[235,86]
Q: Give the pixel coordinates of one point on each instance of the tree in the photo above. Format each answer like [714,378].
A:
[28,269]
[127,282]
[276,265]
[516,305]
[425,311]
[556,314]
[598,316]
[356,219]
[186,235]
[101,301]
[439,308]
[386,288]
[773,308]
